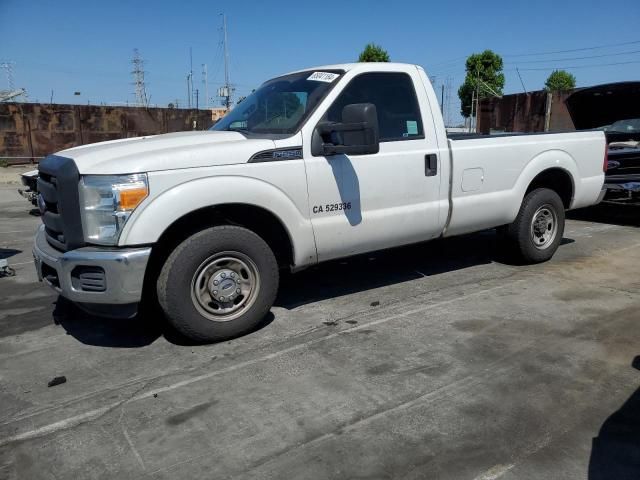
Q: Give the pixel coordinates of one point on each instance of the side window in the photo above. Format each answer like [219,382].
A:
[395,100]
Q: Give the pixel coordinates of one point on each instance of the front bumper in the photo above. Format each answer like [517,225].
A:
[120,272]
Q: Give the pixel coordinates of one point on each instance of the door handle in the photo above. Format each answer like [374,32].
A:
[431,165]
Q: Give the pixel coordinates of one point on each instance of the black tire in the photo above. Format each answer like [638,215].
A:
[180,282]
[526,240]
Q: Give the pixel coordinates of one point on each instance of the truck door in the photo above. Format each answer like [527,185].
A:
[361,203]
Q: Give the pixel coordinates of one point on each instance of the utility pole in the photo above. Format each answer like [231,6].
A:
[190,74]
[473,101]
[520,77]
[226,90]
[197,98]
[188,90]
[205,82]
[138,79]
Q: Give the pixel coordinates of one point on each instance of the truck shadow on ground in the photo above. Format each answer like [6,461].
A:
[106,332]
[140,331]
[328,280]
[623,215]
[394,266]
[378,269]
[8,252]
[615,452]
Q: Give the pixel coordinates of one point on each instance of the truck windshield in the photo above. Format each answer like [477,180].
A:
[281,105]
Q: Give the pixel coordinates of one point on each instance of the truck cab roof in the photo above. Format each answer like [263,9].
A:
[364,66]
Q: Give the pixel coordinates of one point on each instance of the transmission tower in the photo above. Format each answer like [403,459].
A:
[8,70]
[138,79]
[11,93]
[448,86]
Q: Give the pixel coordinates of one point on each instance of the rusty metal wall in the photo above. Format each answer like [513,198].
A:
[524,112]
[33,130]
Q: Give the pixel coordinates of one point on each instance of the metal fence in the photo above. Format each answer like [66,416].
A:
[30,131]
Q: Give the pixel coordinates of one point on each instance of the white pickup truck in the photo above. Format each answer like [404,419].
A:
[314,165]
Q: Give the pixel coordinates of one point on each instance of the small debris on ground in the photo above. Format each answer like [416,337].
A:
[57,381]
[5,269]
[375,304]
[155,395]
[352,322]
[331,323]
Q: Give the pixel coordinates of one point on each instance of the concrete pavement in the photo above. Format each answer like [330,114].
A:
[432,361]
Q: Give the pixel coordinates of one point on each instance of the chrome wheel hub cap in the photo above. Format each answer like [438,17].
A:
[544,227]
[224,286]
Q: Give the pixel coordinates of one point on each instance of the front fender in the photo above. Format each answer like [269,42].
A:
[158,213]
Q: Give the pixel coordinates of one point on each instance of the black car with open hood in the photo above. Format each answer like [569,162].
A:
[614,108]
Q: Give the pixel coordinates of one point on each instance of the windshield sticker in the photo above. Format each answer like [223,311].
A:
[323,77]
[412,127]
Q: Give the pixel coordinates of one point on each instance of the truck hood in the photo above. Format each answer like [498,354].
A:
[602,105]
[165,152]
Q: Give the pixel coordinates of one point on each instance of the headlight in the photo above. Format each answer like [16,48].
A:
[107,201]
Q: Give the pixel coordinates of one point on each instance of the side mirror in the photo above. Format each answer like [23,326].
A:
[357,134]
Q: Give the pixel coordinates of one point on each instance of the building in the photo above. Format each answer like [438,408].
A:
[217,113]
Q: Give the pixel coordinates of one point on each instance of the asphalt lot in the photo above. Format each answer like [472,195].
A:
[433,361]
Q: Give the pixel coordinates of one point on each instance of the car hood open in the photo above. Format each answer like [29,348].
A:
[595,107]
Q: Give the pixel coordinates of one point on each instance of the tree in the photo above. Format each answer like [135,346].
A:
[373,53]
[484,76]
[560,81]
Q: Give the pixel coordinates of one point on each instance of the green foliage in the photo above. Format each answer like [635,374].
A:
[4,163]
[560,81]
[373,53]
[487,67]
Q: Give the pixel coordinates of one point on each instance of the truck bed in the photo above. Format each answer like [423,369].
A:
[490,173]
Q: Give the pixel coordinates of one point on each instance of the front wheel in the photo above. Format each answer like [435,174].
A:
[537,231]
[218,284]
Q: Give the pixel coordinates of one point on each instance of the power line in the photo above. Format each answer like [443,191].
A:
[447,62]
[451,64]
[573,50]
[575,66]
[577,58]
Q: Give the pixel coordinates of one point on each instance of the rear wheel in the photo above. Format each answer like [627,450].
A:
[537,231]
[218,284]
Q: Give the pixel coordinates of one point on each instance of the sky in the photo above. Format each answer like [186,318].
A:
[66,46]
